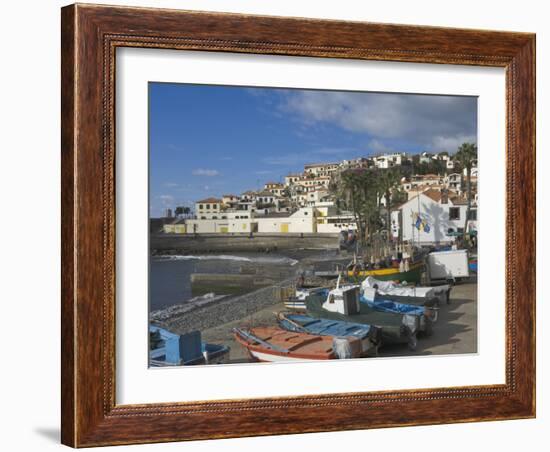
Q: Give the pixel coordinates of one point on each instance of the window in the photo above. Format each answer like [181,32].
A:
[200,207]
[454,213]
[208,206]
[473,215]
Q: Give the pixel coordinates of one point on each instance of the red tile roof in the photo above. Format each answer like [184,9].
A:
[434,195]
[210,201]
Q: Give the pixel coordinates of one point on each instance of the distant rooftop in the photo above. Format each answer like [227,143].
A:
[210,201]
[434,195]
[315,165]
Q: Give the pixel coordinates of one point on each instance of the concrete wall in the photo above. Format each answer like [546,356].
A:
[174,228]
[334,228]
[188,243]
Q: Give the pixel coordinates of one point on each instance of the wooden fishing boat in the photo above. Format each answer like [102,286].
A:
[395,328]
[369,335]
[268,344]
[357,273]
[372,289]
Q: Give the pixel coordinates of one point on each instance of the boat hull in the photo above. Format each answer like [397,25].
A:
[413,275]
[393,331]
[267,357]
[276,345]
[369,336]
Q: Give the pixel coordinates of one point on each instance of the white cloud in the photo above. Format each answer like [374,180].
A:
[170,184]
[205,172]
[313,156]
[451,143]
[377,146]
[417,119]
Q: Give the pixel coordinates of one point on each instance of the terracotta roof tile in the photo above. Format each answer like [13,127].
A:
[210,201]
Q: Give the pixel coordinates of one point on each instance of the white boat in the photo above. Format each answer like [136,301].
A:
[298,301]
[371,287]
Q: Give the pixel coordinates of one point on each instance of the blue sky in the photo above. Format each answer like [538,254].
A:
[212,140]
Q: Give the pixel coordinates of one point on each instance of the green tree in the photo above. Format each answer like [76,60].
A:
[356,190]
[386,181]
[466,156]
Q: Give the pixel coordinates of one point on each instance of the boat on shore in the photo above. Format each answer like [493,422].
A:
[372,289]
[269,344]
[369,335]
[344,305]
[171,349]
[413,274]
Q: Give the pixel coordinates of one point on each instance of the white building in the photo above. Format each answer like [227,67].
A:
[317,196]
[321,169]
[453,181]
[388,160]
[275,188]
[330,222]
[431,217]
[221,226]
[230,201]
[247,201]
[426,180]
[292,178]
[209,208]
[301,221]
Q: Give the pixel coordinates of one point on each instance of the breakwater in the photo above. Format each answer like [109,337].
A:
[206,243]
[185,318]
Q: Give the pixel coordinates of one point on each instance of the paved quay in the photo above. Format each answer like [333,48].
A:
[455,331]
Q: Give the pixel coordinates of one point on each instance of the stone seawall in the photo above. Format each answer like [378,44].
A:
[187,319]
[205,243]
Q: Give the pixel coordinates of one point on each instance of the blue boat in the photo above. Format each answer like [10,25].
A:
[369,335]
[170,349]
[426,315]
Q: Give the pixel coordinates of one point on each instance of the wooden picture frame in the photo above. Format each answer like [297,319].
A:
[90,36]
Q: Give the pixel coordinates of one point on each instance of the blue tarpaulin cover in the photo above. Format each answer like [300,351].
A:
[325,327]
[393,306]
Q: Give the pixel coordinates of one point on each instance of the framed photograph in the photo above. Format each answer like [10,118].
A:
[282,225]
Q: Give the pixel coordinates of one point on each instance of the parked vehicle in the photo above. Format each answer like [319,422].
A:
[448,265]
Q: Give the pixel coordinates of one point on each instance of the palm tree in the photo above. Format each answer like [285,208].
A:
[467,156]
[386,181]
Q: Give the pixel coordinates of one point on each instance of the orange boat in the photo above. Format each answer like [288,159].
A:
[270,344]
